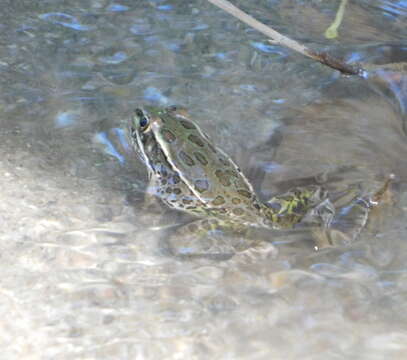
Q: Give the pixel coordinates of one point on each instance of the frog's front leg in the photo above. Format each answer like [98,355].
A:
[151,201]
[210,238]
[153,212]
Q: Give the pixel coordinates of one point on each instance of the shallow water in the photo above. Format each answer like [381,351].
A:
[82,275]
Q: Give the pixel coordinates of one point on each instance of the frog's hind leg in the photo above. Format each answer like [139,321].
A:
[209,238]
[307,205]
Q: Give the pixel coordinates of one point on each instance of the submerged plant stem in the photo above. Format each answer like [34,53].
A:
[332,31]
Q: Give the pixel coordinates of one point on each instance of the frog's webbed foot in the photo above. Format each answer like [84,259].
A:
[345,227]
[331,227]
[207,238]
[351,218]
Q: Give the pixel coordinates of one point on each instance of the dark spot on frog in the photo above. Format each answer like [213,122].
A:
[196,140]
[297,193]
[210,146]
[219,200]
[186,201]
[164,182]
[232,173]
[244,193]
[168,136]
[223,161]
[187,124]
[236,201]
[201,185]
[177,191]
[201,158]
[186,158]
[168,190]
[223,178]
[175,179]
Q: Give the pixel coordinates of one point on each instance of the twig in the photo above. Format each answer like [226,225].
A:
[277,38]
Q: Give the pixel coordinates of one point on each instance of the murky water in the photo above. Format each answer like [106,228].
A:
[82,274]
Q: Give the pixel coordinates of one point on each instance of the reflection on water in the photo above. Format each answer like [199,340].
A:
[64,20]
[110,149]
[393,9]
[84,270]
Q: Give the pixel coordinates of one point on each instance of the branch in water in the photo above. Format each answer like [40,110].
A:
[277,38]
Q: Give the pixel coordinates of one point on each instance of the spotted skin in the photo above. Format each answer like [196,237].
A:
[189,173]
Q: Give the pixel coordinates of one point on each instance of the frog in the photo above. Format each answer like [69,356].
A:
[189,173]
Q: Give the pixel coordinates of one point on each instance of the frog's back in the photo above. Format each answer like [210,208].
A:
[212,176]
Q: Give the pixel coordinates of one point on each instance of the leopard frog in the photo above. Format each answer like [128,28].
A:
[189,173]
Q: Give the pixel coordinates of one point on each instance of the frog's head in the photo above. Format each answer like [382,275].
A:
[154,132]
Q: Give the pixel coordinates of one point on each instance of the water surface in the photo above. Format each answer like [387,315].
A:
[82,274]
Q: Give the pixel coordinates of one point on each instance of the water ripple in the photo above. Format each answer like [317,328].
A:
[271,167]
[65,20]
[110,149]
[394,8]
[121,135]
[65,119]
[117,8]
[141,29]
[116,58]
[154,95]
[165,7]
[270,49]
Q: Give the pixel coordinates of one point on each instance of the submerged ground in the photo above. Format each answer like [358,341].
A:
[82,274]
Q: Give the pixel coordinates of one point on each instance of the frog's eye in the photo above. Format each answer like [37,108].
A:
[142,118]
